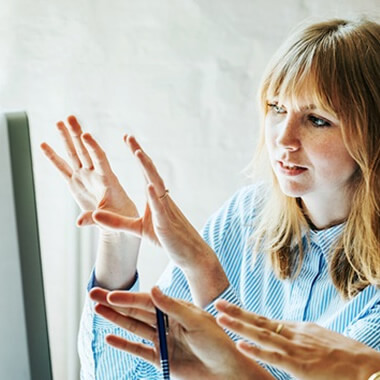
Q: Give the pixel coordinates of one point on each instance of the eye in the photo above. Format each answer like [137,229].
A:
[276,108]
[318,122]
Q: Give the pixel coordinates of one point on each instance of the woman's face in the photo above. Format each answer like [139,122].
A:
[306,150]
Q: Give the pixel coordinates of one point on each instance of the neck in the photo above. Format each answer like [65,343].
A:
[324,212]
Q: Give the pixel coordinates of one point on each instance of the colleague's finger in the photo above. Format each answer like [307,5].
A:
[139,349]
[76,133]
[99,295]
[276,358]
[258,335]
[186,313]
[57,161]
[246,316]
[97,154]
[69,145]
[135,305]
[131,299]
[118,222]
[133,325]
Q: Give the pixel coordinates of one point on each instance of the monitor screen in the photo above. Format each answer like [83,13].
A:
[24,343]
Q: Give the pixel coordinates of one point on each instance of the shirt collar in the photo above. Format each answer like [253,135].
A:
[325,239]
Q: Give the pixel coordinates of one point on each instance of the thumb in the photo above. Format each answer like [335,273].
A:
[183,312]
[85,219]
[117,222]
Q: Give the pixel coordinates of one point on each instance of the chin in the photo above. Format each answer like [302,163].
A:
[292,189]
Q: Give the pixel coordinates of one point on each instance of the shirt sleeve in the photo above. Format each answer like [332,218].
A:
[366,328]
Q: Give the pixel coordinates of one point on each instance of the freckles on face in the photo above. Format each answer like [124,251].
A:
[296,138]
[329,159]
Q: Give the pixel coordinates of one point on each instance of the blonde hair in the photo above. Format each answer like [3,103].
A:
[338,62]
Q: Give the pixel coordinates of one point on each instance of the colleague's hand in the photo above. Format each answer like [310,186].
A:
[88,173]
[163,223]
[306,350]
[197,346]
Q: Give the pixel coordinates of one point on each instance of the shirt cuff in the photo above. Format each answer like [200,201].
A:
[92,283]
[229,295]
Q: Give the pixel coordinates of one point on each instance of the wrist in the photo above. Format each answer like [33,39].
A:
[116,260]
[118,239]
[206,278]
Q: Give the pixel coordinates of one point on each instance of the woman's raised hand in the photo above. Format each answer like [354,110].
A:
[163,223]
[88,174]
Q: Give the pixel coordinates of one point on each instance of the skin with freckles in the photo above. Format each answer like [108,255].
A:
[310,139]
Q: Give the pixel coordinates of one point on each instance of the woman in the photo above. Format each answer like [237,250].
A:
[302,248]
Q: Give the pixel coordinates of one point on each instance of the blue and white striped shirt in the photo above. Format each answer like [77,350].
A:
[309,297]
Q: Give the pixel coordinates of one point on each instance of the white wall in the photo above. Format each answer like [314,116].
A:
[179,74]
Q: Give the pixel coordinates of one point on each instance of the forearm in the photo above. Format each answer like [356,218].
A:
[116,260]
[206,277]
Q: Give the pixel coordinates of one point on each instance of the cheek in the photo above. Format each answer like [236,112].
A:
[332,159]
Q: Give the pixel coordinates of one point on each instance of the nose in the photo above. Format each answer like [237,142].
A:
[288,136]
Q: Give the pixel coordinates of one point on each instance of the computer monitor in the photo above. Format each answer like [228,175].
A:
[24,342]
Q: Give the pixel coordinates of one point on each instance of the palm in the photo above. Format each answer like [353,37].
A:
[90,177]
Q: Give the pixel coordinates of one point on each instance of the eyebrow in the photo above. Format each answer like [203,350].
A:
[303,108]
[308,107]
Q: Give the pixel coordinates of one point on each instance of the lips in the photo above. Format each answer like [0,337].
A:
[290,168]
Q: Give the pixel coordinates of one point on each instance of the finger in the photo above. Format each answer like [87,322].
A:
[246,316]
[131,299]
[139,349]
[276,358]
[57,161]
[99,295]
[115,221]
[132,143]
[258,335]
[134,146]
[155,203]
[136,305]
[98,156]
[185,313]
[69,145]
[149,170]
[133,325]
[85,219]
[76,133]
